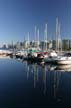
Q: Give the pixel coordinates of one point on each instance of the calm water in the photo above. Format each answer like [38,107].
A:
[26,85]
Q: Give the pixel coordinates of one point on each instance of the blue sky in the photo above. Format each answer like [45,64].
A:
[18,17]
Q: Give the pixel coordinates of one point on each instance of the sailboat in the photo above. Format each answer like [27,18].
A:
[34,54]
[52,54]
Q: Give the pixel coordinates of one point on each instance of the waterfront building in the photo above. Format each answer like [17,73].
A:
[54,44]
[25,44]
[18,46]
[66,44]
[4,46]
[50,44]
[43,45]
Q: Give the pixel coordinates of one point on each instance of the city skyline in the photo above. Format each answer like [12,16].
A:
[18,17]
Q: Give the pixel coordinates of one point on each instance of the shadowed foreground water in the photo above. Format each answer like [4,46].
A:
[27,85]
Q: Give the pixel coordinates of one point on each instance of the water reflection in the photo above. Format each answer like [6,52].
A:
[63,67]
[50,66]
[44,79]
[57,76]
[33,84]
[31,68]
[54,67]
[35,70]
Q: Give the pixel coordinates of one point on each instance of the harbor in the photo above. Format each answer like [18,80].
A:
[36,74]
[37,56]
[35,53]
[32,77]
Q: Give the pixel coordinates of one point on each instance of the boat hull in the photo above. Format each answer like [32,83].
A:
[63,67]
[19,56]
[34,59]
[63,62]
[50,60]
[60,60]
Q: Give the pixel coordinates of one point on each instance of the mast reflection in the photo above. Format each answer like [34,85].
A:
[34,69]
[57,76]
[44,79]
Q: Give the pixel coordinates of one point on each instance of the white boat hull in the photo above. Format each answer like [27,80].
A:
[63,62]
[64,67]
[60,60]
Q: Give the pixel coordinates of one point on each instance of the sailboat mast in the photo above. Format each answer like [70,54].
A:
[60,41]
[57,33]
[46,37]
[35,34]
[58,36]
[28,40]
[38,37]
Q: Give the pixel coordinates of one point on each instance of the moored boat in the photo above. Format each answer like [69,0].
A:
[51,57]
[21,54]
[34,55]
[64,60]
[60,60]
[38,58]
[6,53]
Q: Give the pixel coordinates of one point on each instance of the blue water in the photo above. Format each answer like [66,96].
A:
[27,85]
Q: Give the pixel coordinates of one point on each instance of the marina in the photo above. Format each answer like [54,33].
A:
[50,57]
[35,53]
